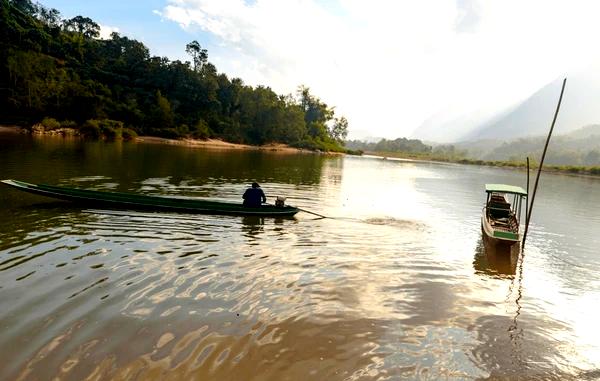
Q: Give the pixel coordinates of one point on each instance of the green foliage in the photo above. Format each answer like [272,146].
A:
[201,130]
[317,144]
[128,134]
[110,133]
[167,133]
[411,146]
[415,149]
[83,26]
[339,131]
[183,130]
[103,128]
[448,152]
[68,124]
[199,55]
[306,144]
[579,148]
[51,66]
[162,116]
[91,129]
[111,129]
[316,113]
[356,152]
[50,123]
[25,6]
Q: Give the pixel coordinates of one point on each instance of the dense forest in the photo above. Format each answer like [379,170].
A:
[407,147]
[396,145]
[59,71]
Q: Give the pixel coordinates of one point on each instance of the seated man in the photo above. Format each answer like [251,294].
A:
[254,196]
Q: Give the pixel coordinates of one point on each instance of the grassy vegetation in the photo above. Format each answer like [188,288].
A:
[575,169]
[325,145]
[105,129]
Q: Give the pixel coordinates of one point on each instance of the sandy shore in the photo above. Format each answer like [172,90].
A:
[11,129]
[219,144]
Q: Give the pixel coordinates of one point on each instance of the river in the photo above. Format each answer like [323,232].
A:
[396,285]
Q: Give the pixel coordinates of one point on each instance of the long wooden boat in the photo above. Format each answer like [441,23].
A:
[500,218]
[139,201]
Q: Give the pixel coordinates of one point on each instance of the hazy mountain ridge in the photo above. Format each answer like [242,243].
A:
[534,115]
[531,117]
[515,132]
[442,128]
[579,147]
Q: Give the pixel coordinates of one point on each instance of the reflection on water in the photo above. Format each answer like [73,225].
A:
[399,285]
[495,260]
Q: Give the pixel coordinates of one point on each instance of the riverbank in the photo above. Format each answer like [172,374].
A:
[187,142]
[220,144]
[563,169]
[12,130]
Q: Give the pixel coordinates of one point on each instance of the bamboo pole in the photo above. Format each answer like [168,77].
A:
[537,178]
[313,213]
[527,199]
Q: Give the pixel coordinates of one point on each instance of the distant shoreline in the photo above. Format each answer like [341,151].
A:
[560,169]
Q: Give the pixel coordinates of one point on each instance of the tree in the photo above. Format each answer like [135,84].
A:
[55,68]
[49,16]
[316,113]
[199,55]
[163,115]
[25,6]
[85,26]
[339,130]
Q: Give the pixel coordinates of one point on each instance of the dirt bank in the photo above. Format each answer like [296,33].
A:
[11,129]
[219,144]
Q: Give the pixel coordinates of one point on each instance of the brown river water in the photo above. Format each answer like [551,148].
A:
[397,285]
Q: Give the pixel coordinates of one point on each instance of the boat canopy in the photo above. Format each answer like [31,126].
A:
[503,188]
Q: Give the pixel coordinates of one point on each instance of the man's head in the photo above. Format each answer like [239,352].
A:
[255,185]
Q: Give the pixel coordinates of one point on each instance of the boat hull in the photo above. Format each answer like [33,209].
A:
[498,237]
[148,202]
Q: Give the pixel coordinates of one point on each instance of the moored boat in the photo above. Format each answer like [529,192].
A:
[500,221]
[150,202]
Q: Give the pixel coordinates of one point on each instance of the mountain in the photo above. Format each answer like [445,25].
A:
[531,117]
[592,131]
[534,115]
[447,127]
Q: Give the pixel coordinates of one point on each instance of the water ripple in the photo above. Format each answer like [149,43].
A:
[398,286]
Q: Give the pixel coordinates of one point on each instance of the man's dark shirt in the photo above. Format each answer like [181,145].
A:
[253,197]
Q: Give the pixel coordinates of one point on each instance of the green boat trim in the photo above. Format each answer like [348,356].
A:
[506,235]
[139,201]
[500,217]
[504,188]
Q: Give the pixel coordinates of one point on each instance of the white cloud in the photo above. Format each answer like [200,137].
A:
[388,65]
[105,31]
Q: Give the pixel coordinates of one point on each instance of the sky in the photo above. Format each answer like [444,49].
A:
[387,66]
